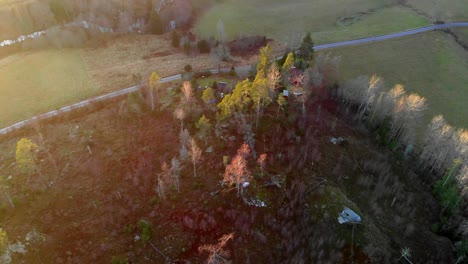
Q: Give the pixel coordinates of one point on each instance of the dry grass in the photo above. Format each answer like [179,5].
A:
[35,82]
[112,66]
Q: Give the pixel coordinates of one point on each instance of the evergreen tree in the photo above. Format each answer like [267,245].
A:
[306,50]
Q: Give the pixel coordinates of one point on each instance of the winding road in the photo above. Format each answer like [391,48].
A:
[81,104]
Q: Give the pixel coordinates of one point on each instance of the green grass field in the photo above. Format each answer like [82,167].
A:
[32,83]
[447,10]
[431,64]
[287,21]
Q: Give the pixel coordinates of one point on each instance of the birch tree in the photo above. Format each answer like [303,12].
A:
[374,87]
[273,79]
[5,190]
[438,146]
[187,94]
[261,162]
[163,180]
[216,253]
[236,172]
[415,110]
[195,155]
[185,139]
[180,114]
[260,95]
[175,172]
[153,86]
[25,155]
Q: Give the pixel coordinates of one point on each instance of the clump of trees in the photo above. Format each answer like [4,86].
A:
[397,116]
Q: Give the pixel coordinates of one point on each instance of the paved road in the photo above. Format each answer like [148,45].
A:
[390,36]
[69,108]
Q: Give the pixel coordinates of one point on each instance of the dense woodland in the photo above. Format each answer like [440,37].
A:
[184,173]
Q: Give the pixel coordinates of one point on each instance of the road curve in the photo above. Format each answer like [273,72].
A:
[81,104]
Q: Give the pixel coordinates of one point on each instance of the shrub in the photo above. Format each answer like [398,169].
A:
[146,230]
[203,46]
[202,74]
[188,68]
[232,72]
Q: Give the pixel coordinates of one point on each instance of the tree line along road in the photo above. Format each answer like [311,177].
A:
[81,104]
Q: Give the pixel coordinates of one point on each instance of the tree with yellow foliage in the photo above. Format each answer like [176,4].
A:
[25,155]
[153,86]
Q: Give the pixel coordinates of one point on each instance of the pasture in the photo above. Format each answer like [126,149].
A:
[446,10]
[35,82]
[430,64]
[328,21]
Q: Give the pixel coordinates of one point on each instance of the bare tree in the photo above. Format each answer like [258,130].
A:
[184,137]
[237,172]
[273,79]
[370,95]
[180,114]
[220,53]
[187,92]
[415,110]
[175,172]
[195,155]
[163,180]
[438,148]
[217,253]
[261,161]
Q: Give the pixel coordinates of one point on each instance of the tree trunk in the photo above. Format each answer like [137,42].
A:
[152,99]
[194,170]
[9,199]
[258,115]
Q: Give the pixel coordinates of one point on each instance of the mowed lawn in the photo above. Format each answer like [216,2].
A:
[36,82]
[287,21]
[430,64]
